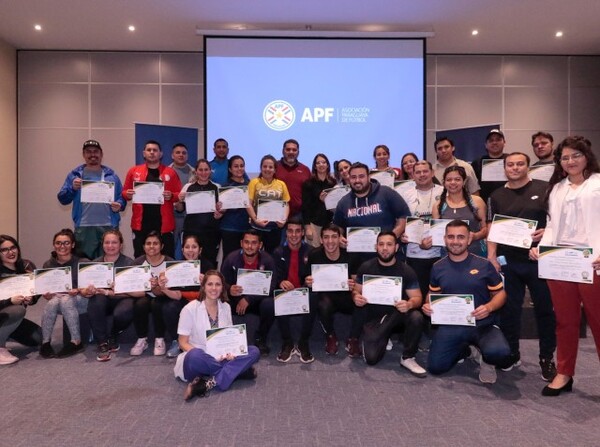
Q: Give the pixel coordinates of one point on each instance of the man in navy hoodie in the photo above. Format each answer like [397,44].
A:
[370,204]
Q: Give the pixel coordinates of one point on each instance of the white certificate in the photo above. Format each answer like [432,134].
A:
[386,290]
[292,302]
[385,178]
[17,285]
[402,186]
[437,230]
[254,282]
[334,195]
[452,309]
[362,239]
[415,229]
[541,172]
[97,274]
[97,192]
[271,210]
[135,278]
[227,340]
[512,231]
[182,273]
[197,202]
[329,277]
[233,197]
[150,193]
[56,280]
[492,170]
[573,264]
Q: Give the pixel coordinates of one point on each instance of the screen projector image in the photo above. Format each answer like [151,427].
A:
[341,97]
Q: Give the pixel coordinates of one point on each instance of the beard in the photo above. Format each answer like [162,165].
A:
[387,258]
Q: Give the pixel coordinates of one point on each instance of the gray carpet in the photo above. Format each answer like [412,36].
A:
[334,401]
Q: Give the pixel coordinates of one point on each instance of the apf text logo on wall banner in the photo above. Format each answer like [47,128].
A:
[280,115]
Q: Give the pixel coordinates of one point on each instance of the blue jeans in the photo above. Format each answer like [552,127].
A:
[449,344]
[199,363]
[517,276]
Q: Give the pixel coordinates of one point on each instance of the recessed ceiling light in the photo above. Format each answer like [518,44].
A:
[131,28]
[474,32]
[559,34]
[37,27]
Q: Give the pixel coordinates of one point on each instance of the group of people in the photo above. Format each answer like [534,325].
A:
[309,234]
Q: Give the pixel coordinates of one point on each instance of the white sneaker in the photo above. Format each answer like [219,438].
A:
[140,346]
[6,358]
[159,346]
[414,368]
[389,345]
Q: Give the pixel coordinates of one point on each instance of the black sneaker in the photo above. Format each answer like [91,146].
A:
[113,344]
[286,352]
[103,353]
[46,351]
[548,369]
[69,349]
[514,362]
[303,350]
[262,347]
[199,387]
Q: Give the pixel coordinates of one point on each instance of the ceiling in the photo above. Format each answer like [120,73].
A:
[505,27]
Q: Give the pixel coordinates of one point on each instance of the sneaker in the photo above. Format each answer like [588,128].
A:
[303,350]
[46,351]
[103,353]
[515,362]
[69,349]
[487,372]
[6,358]
[113,344]
[160,348]
[140,346]
[389,345]
[262,347]
[174,350]
[414,368]
[353,348]
[199,387]
[286,352]
[548,369]
[331,344]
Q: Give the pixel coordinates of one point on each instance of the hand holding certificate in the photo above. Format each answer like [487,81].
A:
[386,290]
[254,282]
[512,231]
[362,239]
[150,193]
[135,278]
[197,202]
[452,309]
[573,264]
[182,273]
[96,274]
[223,341]
[97,192]
[271,210]
[334,195]
[233,197]
[55,280]
[329,277]
[292,302]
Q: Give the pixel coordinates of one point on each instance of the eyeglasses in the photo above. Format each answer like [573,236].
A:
[576,156]
[62,243]
[7,249]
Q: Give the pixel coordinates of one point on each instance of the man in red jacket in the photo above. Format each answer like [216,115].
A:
[159,215]
[293,174]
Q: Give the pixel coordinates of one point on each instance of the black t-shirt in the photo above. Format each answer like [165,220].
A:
[373,267]
[526,202]
[151,218]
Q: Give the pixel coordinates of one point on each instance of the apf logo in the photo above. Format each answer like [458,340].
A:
[279,115]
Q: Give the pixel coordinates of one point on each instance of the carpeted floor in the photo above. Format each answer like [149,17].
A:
[334,401]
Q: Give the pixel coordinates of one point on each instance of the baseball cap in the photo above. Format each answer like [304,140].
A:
[92,143]
[494,132]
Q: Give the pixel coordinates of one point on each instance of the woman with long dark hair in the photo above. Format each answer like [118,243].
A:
[314,213]
[234,221]
[573,201]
